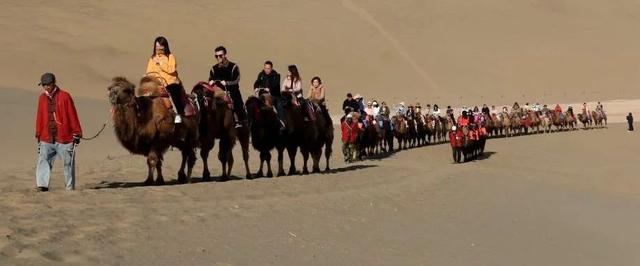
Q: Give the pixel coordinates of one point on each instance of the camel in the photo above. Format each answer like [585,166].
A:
[584,119]
[400,132]
[421,130]
[145,126]
[386,135]
[310,136]
[412,132]
[265,130]
[497,127]
[597,119]
[431,129]
[506,124]
[445,125]
[570,120]
[216,122]
[545,123]
[534,121]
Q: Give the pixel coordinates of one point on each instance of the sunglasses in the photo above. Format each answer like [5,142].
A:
[219,55]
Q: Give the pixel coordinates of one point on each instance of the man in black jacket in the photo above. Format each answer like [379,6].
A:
[227,73]
[350,104]
[630,122]
[268,78]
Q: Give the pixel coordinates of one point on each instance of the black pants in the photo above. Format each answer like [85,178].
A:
[238,104]
[630,126]
[176,92]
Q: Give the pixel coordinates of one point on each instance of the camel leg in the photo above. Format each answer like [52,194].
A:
[281,162]
[292,150]
[305,158]
[230,163]
[244,144]
[190,163]
[260,173]
[327,154]
[159,178]
[223,156]
[315,156]
[268,159]
[151,165]
[204,154]
[182,177]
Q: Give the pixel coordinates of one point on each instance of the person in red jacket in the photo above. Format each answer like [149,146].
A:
[350,129]
[57,131]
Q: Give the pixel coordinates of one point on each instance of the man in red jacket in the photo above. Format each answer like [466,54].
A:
[57,131]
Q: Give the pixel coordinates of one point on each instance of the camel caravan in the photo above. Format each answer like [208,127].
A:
[160,114]
[370,131]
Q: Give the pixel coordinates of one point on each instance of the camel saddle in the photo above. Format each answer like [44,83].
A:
[155,89]
[213,92]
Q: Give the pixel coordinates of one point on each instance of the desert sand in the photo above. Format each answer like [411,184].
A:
[567,198]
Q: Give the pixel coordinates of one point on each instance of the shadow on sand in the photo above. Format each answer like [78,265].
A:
[485,155]
[173,182]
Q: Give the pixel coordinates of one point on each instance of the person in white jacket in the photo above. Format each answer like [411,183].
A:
[293,84]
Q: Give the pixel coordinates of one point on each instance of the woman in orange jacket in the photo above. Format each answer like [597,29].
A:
[162,65]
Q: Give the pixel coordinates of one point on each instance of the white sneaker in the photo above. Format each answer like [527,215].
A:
[178,119]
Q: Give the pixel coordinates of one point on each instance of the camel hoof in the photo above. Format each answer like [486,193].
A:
[292,172]
[223,178]
[259,174]
[281,173]
[160,182]
[148,182]
[269,174]
[327,169]
[316,170]
[305,171]
[182,178]
[248,177]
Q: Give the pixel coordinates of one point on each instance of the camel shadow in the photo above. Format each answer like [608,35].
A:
[348,168]
[172,182]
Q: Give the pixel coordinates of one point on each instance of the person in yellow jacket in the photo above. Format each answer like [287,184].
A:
[162,65]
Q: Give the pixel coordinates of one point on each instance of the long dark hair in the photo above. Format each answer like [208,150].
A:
[162,41]
[295,75]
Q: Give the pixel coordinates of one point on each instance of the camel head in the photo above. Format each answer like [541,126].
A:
[121,91]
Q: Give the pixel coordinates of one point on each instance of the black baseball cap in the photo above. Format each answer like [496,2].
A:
[47,79]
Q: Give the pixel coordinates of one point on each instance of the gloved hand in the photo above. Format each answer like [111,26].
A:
[76,139]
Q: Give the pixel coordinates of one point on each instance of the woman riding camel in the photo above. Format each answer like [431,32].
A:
[162,65]
[293,84]
[436,110]
[317,91]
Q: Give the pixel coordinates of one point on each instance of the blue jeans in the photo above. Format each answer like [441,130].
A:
[48,153]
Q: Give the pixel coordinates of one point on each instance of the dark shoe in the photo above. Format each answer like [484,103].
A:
[43,189]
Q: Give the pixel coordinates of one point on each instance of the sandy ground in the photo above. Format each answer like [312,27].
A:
[556,199]
[532,200]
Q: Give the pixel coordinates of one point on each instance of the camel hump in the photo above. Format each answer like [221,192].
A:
[150,86]
[122,83]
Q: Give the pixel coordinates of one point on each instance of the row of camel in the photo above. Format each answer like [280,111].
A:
[145,126]
[415,129]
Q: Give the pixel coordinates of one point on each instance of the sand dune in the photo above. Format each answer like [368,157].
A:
[436,51]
